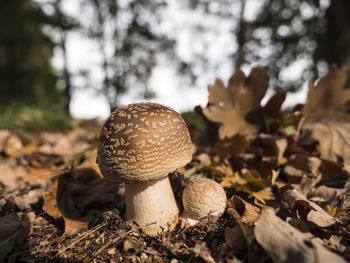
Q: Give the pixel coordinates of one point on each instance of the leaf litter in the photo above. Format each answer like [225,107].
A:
[285,174]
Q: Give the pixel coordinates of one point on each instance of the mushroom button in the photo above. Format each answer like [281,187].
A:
[203,197]
[140,144]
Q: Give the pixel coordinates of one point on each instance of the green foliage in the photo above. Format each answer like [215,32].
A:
[27,76]
[33,118]
[196,126]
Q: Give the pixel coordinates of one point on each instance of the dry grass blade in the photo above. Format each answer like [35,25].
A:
[84,235]
[114,240]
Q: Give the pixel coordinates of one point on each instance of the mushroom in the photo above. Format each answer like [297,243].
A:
[203,197]
[139,145]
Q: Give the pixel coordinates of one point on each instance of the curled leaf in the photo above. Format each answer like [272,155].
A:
[308,211]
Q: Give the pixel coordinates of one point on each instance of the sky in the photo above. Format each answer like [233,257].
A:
[215,40]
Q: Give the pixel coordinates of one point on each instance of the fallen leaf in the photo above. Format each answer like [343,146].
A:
[14,230]
[133,244]
[25,201]
[50,201]
[324,99]
[303,171]
[333,173]
[231,180]
[334,139]
[254,253]
[308,211]
[325,120]
[203,159]
[231,146]
[327,194]
[250,182]
[285,244]
[272,145]
[58,203]
[201,250]
[235,239]
[40,175]
[230,106]
[247,212]
[12,145]
[9,230]
[11,175]
[74,192]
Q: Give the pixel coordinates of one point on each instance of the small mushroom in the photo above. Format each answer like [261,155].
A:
[203,197]
[139,145]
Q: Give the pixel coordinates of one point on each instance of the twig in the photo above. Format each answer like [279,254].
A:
[117,239]
[112,241]
[82,237]
[300,126]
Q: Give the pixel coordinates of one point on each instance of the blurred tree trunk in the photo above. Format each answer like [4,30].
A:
[64,28]
[241,37]
[66,73]
[334,45]
[101,37]
[27,76]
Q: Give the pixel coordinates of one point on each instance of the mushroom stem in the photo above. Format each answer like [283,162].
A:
[152,206]
[191,221]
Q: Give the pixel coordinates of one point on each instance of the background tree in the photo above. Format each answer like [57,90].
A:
[333,45]
[130,45]
[25,55]
[309,33]
[64,25]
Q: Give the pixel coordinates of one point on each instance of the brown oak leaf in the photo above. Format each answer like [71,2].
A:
[324,101]
[237,106]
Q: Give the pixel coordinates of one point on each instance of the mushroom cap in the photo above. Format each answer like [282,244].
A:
[143,142]
[203,197]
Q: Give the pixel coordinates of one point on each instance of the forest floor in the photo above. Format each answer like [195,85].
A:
[286,180]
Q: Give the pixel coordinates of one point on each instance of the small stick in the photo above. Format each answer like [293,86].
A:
[82,237]
[117,239]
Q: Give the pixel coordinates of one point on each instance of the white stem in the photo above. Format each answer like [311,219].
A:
[152,206]
[191,221]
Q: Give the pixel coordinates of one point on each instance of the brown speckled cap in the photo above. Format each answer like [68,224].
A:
[143,142]
[202,197]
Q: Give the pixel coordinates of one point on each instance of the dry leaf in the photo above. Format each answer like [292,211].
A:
[73,194]
[272,145]
[334,139]
[58,202]
[248,236]
[246,212]
[231,147]
[203,159]
[230,106]
[25,201]
[325,120]
[286,244]
[309,212]
[333,172]
[250,182]
[325,99]
[201,250]
[90,155]
[14,230]
[302,170]
[235,239]
[37,175]
[12,145]
[327,194]
[232,180]
[11,175]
